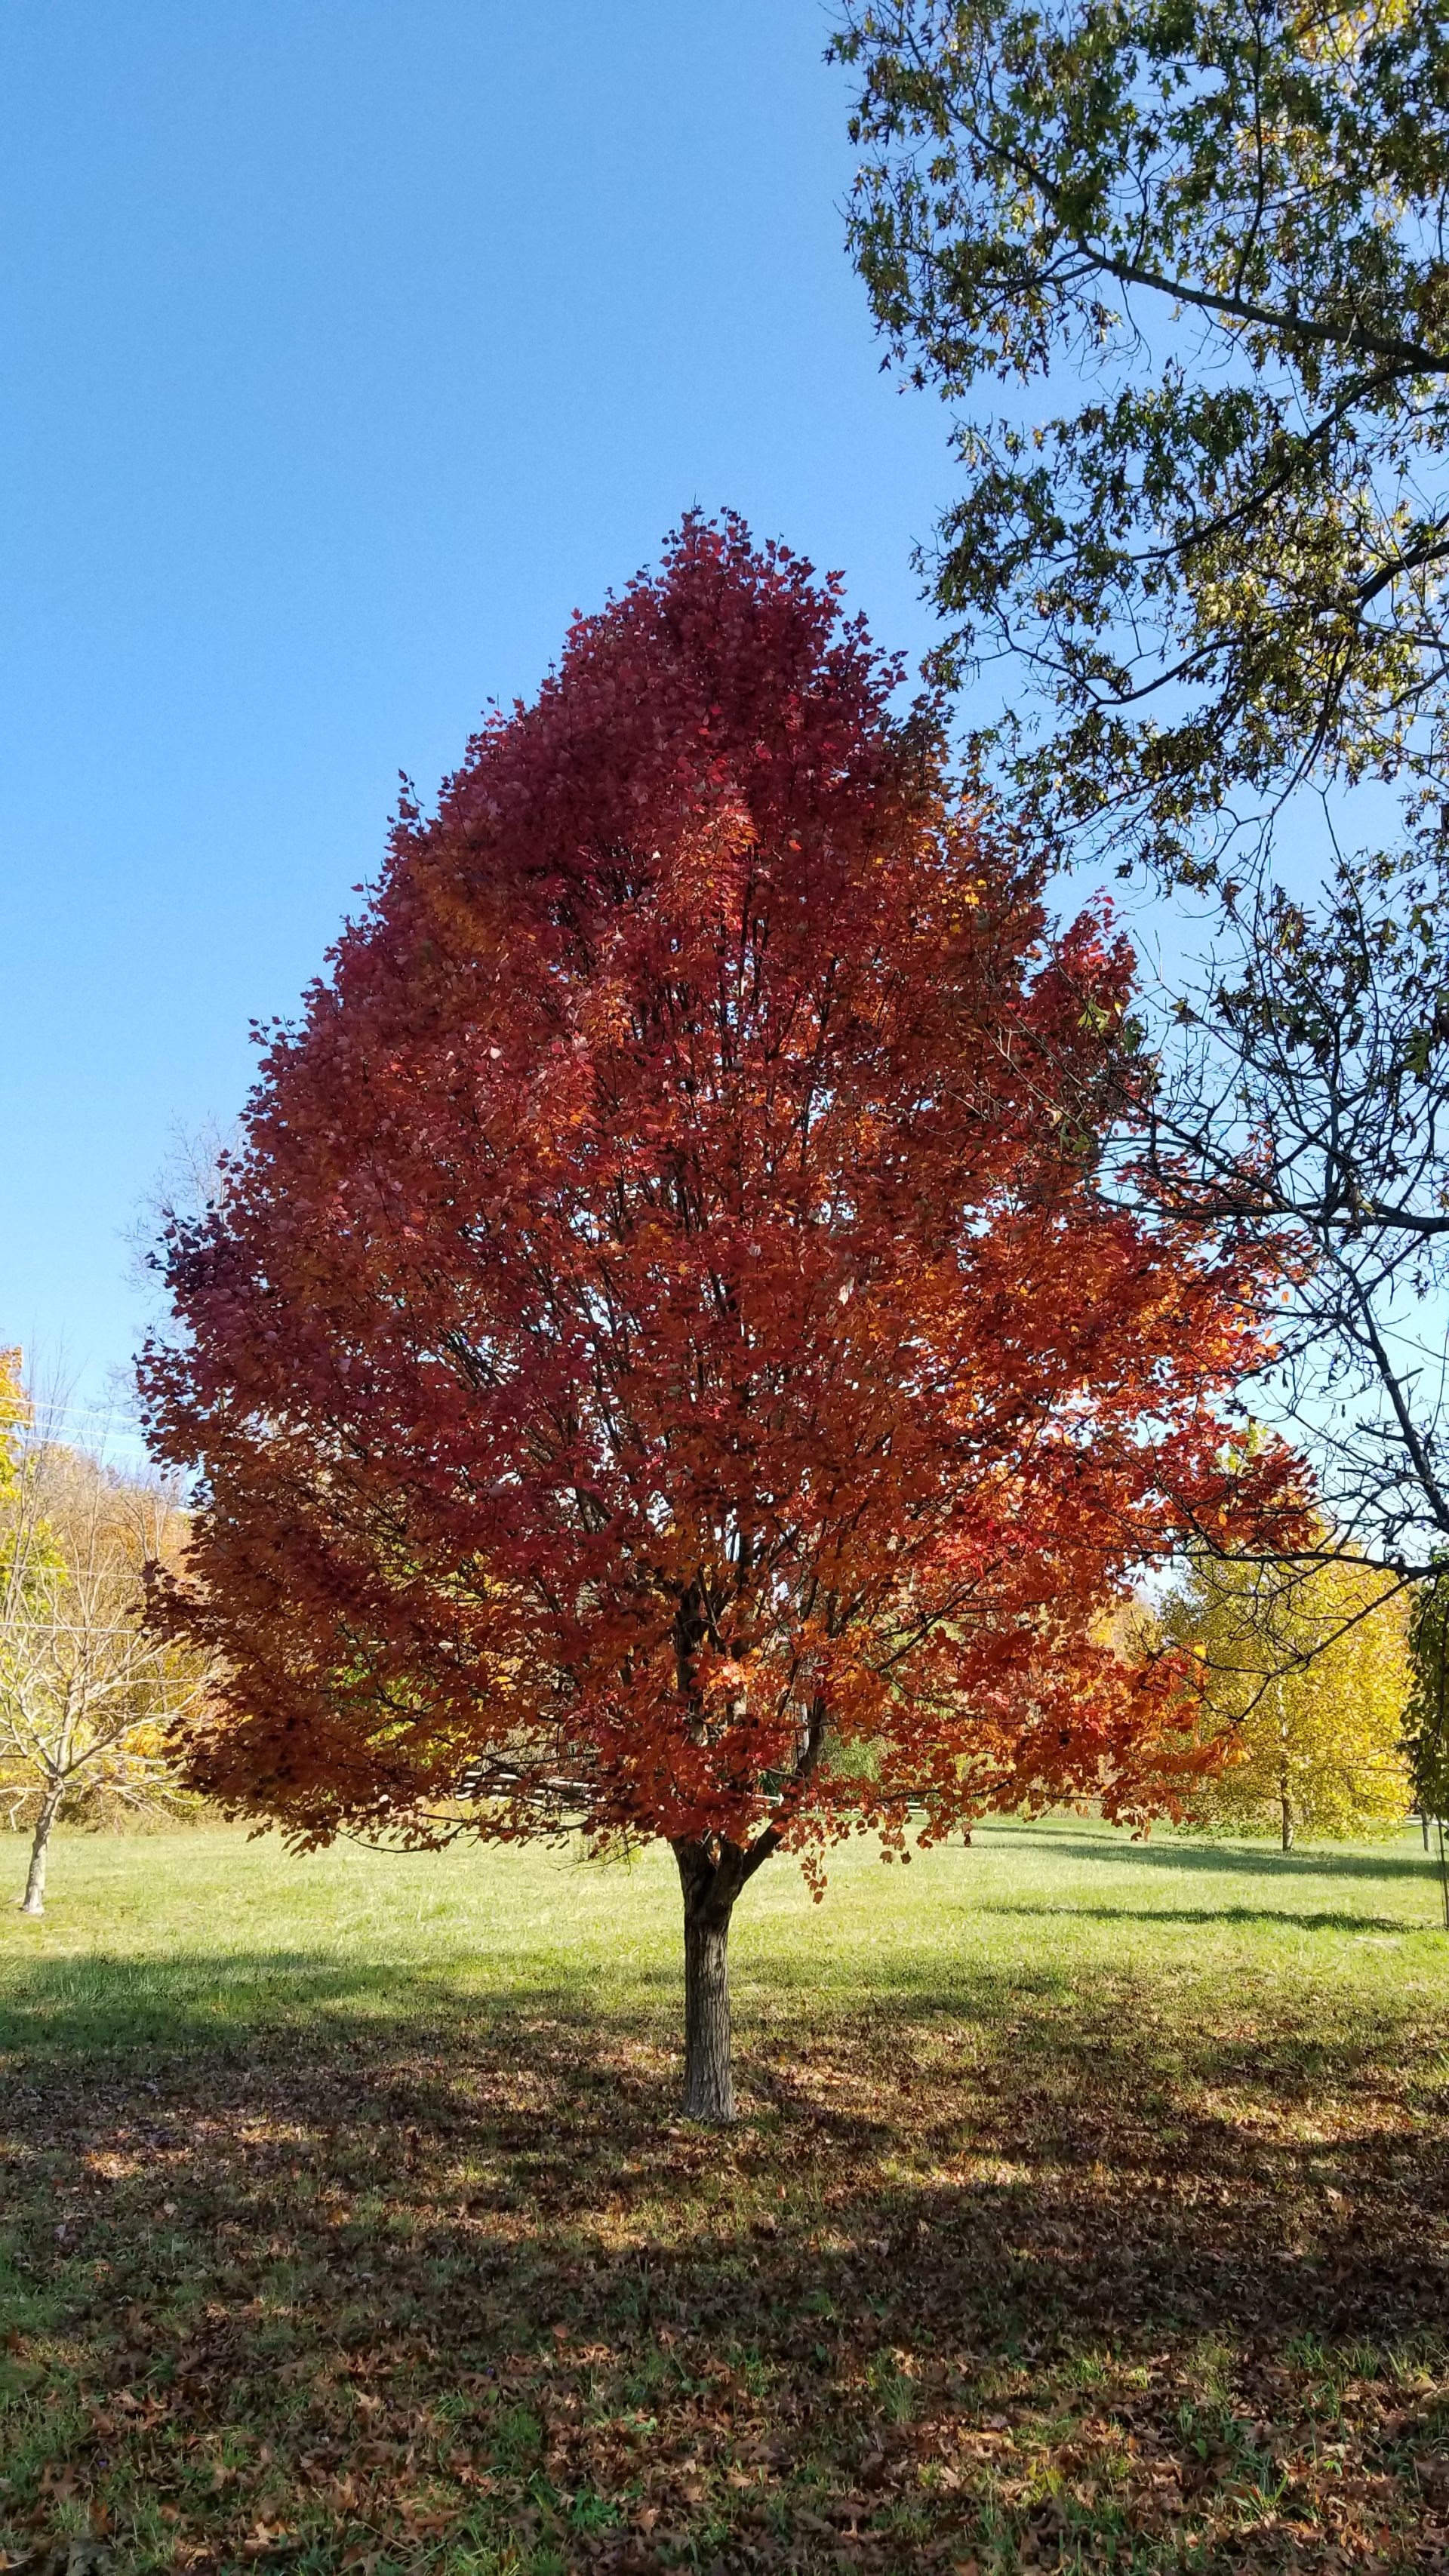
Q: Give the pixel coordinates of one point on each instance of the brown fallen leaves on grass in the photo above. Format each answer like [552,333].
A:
[953,2295]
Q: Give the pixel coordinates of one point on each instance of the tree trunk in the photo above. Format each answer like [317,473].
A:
[1287,1807]
[709,2092]
[33,1901]
[711,1881]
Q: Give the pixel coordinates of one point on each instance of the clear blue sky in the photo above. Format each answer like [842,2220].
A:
[346,348]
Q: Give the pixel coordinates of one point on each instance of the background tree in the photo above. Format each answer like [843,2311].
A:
[1303,1099]
[1221,232]
[1427,1728]
[1305,1678]
[89,1694]
[1224,561]
[14,1414]
[661,1323]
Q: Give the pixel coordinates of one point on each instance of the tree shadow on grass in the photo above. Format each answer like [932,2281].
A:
[1258,1916]
[69,2009]
[341,2266]
[1230,1859]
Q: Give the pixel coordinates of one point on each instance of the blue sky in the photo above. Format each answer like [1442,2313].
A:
[347,348]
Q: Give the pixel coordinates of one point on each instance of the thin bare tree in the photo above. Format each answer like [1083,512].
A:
[90,1696]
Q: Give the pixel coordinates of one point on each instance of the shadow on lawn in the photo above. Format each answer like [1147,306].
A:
[340,2242]
[1008,2065]
[1256,1915]
[1204,1858]
[226,2002]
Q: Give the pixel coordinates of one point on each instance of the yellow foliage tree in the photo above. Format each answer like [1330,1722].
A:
[14,1415]
[1305,1683]
[90,1695]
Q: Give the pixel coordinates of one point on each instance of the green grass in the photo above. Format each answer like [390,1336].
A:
[1087,2210]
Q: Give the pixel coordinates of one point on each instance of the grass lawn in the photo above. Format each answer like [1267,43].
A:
[1087,2210]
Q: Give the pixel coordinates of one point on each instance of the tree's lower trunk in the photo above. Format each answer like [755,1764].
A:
[1287,1806]
[33,1901]
[711,1880]
[709,2092]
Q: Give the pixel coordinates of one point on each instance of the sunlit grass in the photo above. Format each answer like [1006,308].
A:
[139,1924]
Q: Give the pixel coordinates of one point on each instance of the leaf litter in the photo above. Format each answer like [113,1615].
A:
[1074,2290]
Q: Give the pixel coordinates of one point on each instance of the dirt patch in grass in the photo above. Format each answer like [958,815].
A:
[1032,2287]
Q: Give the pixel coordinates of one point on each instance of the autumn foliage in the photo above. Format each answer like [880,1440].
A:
[1305,1678]
[661,1343]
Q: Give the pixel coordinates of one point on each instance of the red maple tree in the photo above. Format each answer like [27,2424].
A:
[661,1348]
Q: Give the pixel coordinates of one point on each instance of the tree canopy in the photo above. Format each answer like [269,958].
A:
[1202,249]
[1224,225]
[661,1324]
[1305,1679]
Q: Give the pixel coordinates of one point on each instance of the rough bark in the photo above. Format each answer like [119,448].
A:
[711,1876]
[33,1901]
[709,2092]
[1287,1822]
